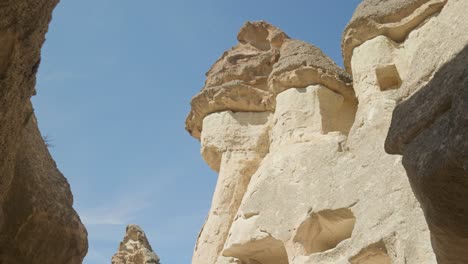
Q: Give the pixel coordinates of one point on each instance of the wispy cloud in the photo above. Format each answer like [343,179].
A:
[119,211]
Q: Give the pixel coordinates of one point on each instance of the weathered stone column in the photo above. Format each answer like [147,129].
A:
[234,145]
[303,117]
[231,118]
[314,110]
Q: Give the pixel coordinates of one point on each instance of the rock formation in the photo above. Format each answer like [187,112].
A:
[429,128]
[296,180]
[299,143]
[394,19]
[135,248]
[37,221]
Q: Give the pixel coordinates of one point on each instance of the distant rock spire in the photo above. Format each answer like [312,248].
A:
[135,248]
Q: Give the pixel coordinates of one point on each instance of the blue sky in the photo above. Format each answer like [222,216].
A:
[114,89]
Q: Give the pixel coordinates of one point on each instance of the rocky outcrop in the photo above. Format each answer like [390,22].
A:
[303,173]
[37,221]
[135,248]
[426,69]
[238,80]
[307,179]
[429,128]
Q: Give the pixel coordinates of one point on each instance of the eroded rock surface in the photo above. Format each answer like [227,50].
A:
[135,248]
[307,179]
[429,125]
[37,221]
[429,129]
[310,181]
[394,19]
[427,71]
[238,80]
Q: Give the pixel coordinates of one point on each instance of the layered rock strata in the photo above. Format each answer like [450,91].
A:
[310,181]
[37,221]
[135,248]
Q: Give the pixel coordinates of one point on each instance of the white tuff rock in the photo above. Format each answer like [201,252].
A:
[303,174]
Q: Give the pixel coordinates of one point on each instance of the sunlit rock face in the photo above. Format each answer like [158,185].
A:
[306,179]
[135,248]
[37,221]
[394,19]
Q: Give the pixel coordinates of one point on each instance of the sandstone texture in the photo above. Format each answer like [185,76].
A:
[37,221]
[135,248]
[394,19]
[308,179]
[238,80]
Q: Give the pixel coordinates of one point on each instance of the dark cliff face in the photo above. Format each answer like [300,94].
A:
[37,221]
[430,130]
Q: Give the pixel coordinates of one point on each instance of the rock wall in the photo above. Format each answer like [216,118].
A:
[429,127]
[37,221]
[299,143]
[135,248]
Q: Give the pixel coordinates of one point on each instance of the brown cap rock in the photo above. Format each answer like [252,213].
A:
[233,96]
[238,80]
[265,62]
[394,19]
[302,64]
